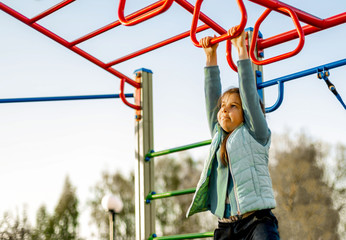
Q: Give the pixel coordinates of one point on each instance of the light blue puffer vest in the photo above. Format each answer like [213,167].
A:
[252,186]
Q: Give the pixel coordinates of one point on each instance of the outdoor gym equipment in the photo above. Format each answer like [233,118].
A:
[144,181]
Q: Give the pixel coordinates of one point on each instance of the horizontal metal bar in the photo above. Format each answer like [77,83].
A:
[155,46]
[301,73]
[51,10]
[281,80]
[177,149]
[307,29]
[154,196]
[115,24]
[66,44]
[62,98]
[204,18]
[185,236]
[303,16]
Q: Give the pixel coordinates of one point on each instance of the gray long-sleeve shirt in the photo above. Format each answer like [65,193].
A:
[254,118]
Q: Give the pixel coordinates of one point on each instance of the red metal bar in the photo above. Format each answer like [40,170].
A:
[95,33]
[308,29]
[302,16]
[155,46]
[229,56]
[204,18]
[123,98]
[51,10]
[162,6]
[116,23]
[224,36]
[282,56]
[65,43]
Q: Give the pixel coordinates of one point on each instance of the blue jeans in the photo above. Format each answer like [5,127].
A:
[261,225]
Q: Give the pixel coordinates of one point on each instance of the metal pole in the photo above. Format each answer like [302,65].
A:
[185,236]
[114,230]
[111,225]
[257,69]
[62,98]
[153,196]
[177,149]
[144,171]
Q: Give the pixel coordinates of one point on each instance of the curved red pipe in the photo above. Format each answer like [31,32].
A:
[148,12]
[282,56]
[123,98]
[229,56]
[224,36]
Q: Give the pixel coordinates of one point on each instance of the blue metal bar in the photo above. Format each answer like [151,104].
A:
[62,98]
[278,101]
[259,79]
[281,80]
[302,73]
[341,101]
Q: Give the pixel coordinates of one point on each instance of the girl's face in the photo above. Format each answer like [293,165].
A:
[230,115]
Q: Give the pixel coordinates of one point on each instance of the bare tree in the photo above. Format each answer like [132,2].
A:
[305,204]
[338,183]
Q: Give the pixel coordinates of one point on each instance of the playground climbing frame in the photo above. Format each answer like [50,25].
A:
[144,175]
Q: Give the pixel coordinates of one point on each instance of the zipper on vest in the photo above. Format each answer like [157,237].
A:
[234,189]
[234,184]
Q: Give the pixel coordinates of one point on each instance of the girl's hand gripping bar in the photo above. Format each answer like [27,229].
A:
[224,36]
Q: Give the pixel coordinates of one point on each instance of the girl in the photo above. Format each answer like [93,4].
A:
[235,184]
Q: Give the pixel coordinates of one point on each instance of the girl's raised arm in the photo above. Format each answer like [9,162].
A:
[253,115]
[212,84]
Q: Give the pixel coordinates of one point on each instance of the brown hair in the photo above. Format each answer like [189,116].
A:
[223,150]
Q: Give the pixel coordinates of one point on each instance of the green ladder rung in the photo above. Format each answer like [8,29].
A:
[153,195]
[185,236]
[177,149]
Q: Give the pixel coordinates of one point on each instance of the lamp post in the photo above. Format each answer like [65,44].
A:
[113,205]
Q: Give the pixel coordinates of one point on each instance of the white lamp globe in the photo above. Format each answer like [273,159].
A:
[112,203]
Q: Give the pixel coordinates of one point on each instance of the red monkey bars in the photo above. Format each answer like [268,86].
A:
[314,24]
[308,29]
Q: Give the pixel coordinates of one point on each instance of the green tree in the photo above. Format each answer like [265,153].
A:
[66,214]
[63,223]
[15,228]
[125,221]
[170,174]
[305,205]
[44,225]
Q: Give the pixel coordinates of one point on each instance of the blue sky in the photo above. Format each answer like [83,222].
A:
[40,143]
